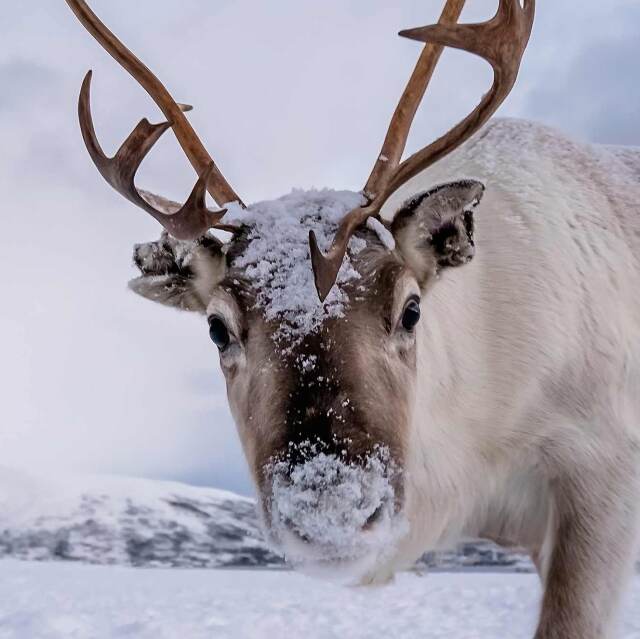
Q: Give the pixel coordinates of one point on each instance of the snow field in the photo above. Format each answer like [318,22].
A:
[69,601]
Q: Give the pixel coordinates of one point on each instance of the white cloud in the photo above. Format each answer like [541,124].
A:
[595,94]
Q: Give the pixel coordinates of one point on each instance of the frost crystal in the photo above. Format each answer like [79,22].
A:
[277,260]
[329,501]
[383,233]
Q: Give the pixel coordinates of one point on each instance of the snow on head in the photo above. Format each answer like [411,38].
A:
[383,233]
[327,510]
[277,260]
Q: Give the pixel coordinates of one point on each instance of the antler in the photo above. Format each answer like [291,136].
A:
[191,220]
[502,42]
[400,125]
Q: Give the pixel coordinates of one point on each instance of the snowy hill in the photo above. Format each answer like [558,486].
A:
[140,522]
[126,521]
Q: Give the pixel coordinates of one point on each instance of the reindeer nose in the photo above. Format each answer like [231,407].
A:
[329,503]
[311,521]
[300,530]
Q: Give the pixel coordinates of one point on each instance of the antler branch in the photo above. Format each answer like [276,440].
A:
[400,125]
[189,221]
[502,42]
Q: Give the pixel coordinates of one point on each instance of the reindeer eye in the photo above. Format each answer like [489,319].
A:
[411,314]
[218,333]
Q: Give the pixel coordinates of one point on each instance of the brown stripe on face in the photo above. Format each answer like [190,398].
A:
[320,408]
[347,390]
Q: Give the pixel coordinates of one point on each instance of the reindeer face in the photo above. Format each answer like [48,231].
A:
[323,416]
[323,423]
[322,392]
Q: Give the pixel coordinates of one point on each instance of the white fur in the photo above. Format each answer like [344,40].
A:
[525,413]
[529,361]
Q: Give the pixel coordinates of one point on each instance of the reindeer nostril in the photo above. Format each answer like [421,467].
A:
[298,531]
[374,518]
[291,526]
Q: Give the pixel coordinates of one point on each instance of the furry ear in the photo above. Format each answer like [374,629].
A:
[434,229]
[179,274]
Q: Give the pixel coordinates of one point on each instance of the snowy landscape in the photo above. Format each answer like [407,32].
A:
[125,494]
[159,544]
[69,601]
[128,522]
[147,523]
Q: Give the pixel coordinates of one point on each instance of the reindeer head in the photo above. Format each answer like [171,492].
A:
[319,350]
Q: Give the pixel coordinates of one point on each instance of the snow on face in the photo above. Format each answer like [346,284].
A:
[277,260]
[326,511]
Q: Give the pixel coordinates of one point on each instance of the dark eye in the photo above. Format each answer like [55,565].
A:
[218,333]
[411,314]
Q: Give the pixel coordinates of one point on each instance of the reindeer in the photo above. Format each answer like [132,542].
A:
[425,393]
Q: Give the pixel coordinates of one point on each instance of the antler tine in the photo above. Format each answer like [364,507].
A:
[188,222]
[398,132]
[502,42]
[326,267]
[219,188]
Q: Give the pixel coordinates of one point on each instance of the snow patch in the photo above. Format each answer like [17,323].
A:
[383,233]
[327,510]
[277,260]
[41,601]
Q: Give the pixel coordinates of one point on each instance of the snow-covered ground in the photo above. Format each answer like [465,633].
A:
[70,601]
[125,522]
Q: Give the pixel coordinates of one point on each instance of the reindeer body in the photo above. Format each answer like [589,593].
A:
[526,424]
[513,416]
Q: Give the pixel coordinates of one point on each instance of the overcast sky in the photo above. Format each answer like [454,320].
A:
[287,94]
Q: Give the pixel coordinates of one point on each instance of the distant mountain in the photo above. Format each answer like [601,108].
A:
[127,521]
[142,522]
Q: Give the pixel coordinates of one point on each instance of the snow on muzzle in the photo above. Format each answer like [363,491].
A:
[326,510]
